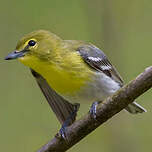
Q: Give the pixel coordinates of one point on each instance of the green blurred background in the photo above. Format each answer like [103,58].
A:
[121,28]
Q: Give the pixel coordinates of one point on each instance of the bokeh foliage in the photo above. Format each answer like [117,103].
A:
[121,28]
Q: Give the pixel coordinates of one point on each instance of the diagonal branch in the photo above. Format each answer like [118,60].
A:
[108,108]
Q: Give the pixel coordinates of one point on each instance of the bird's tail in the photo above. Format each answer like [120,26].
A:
[135,108]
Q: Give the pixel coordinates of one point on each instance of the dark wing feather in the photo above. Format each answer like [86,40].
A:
[96,59]
[59,105]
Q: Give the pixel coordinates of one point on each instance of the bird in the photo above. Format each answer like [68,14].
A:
[69,72]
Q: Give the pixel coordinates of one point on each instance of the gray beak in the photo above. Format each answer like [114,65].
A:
[15,54]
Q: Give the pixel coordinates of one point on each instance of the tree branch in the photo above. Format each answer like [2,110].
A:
[106,110]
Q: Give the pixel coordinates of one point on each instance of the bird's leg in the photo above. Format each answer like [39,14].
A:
[93,109]
[67,122]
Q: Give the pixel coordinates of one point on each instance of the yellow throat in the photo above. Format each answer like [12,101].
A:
[66,74]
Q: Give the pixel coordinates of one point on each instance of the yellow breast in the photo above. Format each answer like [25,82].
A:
[64,78]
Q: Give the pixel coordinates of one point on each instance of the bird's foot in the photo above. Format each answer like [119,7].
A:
[93,110]
[68,121]
[62,131]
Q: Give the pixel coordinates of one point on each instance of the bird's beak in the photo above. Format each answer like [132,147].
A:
[16,54]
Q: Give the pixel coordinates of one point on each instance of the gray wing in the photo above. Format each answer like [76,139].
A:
[96,59]
[59,105]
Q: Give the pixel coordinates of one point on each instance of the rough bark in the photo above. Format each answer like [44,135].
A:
[108,108]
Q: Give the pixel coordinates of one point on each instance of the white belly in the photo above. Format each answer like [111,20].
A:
[101,87]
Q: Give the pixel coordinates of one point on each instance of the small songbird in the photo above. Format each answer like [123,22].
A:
[69,72]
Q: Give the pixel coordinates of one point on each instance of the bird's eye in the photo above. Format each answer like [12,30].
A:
[31,43]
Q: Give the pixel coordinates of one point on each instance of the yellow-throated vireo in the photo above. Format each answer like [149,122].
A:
[69,72]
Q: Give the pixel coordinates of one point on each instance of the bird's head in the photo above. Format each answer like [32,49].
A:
[36,45]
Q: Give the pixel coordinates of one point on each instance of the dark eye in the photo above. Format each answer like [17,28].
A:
[31,43]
